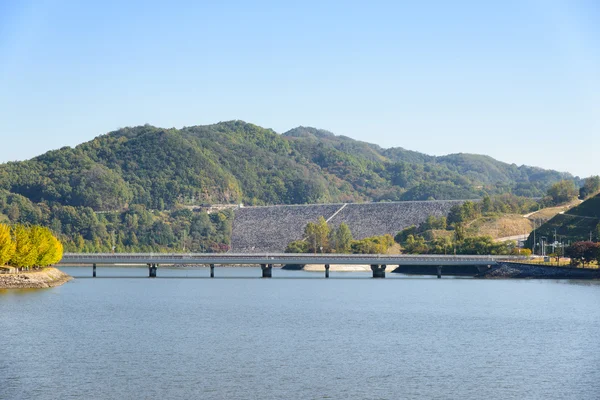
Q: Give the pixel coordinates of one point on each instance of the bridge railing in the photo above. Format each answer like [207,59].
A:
[283,256]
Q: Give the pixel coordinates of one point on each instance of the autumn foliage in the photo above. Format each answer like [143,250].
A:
[28,246]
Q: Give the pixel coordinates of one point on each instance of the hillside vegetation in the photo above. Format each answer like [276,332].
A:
[575,224]
[90,194]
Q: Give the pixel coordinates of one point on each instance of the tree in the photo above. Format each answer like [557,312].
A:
[317,236]
[562,192]
[297,246]
[486,204]
[49,249]
[415,245]
[582,253]
[405,233]
[311,235]
[343,239]
[459,232]
[434,223]
[41,238]
[590,187]
[25,254]
[7,245]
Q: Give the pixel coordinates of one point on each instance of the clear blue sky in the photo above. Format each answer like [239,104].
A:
[518,80]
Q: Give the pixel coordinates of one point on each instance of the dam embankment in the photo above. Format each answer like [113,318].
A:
[44,278]
[271,228]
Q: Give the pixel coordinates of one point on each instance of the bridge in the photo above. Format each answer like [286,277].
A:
[378,262]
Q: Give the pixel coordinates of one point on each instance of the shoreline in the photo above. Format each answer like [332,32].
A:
[44,278]
[507,270]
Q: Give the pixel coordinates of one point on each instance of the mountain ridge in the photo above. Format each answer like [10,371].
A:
[235,161]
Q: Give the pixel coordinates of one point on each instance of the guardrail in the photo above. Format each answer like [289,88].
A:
[281,258]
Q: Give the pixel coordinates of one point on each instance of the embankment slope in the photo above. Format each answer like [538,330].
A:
[270,229]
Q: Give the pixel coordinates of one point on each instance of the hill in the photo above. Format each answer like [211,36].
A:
[575,224]
[88,191]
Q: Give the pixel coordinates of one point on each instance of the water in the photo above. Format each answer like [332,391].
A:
[250,338]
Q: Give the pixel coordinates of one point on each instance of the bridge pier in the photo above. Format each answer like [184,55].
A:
[378,270]
[439,272]
[94,270]
[267,270]
[212,270]
[152,270]
[326,270]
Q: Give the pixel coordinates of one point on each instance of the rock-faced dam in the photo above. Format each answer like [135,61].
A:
[271,228]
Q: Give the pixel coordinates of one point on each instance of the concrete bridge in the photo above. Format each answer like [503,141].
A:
[378,262]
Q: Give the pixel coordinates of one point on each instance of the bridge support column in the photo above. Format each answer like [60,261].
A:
[212,270]
[94,270]
[378,270]
[267,270]
[326,270]
[152,270]
[439,272]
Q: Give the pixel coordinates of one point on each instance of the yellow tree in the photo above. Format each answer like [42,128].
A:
[41,240]
[49,248]
[323,234]
[317,236]
[55,252]
[7,245]
[310,231]
[25,254]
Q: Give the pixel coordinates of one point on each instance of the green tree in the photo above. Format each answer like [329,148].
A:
[562,192]
[415,245]
[401,236]
[297,246]
[459,233]
[343,239]
[590,187]
[7,245]
[486,204]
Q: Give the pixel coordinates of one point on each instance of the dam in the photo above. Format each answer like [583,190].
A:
[269,229]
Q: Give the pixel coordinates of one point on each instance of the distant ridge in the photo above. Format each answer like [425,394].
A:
[132,189]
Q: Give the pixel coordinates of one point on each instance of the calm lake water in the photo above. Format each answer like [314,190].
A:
[241,337]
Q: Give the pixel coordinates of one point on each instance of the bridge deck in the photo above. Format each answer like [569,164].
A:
[256,259]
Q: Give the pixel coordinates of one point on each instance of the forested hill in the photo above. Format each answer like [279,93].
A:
[128,189]
[233,162]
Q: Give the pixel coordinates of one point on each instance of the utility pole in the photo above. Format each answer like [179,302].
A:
[533,245]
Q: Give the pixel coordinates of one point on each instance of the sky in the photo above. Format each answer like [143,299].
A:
[517,80]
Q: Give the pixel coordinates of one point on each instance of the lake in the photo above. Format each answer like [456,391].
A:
[299,336]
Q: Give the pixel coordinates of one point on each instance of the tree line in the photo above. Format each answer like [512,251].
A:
[319,237]
[25,247]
